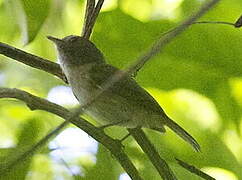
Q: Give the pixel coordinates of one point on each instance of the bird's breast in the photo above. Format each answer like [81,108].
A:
[80,81]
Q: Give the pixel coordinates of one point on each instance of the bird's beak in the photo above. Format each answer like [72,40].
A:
[55,40]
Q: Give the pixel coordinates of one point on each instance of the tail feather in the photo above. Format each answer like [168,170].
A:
[182,133]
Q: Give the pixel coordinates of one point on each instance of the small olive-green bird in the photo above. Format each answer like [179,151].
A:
[125,103]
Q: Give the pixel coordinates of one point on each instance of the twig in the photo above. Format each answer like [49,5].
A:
[238,23]
[35,147]
[194,170]
[32,60]
[215,22]
[148,148]
[74,175]
[113,145]
[90,5]
[90,25]
[164,40]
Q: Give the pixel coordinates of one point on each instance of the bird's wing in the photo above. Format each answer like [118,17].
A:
[127,88]
[137,97]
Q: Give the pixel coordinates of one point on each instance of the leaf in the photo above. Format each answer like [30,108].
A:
[27,137]
[29,15]
[36,13]
[102,169]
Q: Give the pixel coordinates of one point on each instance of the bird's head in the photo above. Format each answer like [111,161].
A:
[77,50]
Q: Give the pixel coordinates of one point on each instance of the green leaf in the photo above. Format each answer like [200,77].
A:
[35,14]
[28,134]
[102,169]
[29,15]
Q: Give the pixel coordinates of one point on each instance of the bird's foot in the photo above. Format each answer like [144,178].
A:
[113,124]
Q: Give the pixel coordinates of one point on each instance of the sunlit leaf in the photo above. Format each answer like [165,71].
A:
[30,16]
[19,168]
[36,13]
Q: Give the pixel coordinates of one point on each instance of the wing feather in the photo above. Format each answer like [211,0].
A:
[126,88]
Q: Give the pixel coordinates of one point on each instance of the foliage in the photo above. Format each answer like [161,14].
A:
[196,79]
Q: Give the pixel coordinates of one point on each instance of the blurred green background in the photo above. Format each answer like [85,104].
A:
[197,79]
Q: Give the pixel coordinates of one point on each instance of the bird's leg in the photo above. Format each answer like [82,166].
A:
[118,123]
[125,137]
[113,124]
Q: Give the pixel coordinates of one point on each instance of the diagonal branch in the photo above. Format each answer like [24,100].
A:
[238,23]
[93,18]
[37,103]
[160,164]
[158,46]
[90,5]
[194,170]
[22,157]
[31,60]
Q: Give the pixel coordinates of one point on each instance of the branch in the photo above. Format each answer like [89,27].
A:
[32,60]
[238,23]
[148,148]
[90,5]
[215,22]
[168,37]
[113,145]
[10,165]
[194,170]
[93,18]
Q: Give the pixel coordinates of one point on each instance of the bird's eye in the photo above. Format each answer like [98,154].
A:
[73,39]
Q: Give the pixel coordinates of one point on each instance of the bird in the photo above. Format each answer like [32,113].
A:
[124,104]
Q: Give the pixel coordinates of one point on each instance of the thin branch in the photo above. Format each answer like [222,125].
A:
[148,148]
[165,40]
[35,147]
[238,23]
[90,5]
[113,145]
[215,22]
[74,175]
[32,60]
[194,170]
[94,16]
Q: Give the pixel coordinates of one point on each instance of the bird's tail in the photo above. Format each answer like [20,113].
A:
[182,133]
